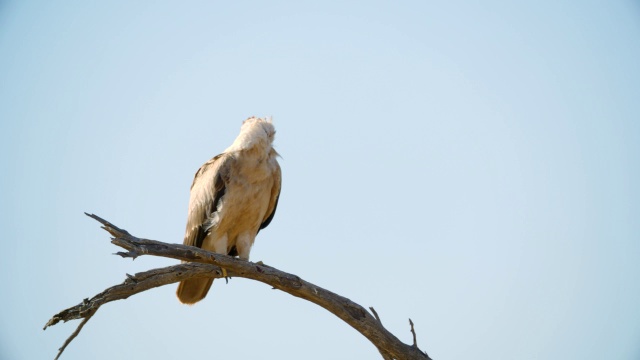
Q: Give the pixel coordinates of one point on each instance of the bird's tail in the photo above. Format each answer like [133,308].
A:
[193,290]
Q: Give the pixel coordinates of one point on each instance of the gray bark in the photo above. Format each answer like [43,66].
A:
[202,263]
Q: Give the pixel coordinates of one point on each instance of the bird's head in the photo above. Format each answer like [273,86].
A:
[259,127]
[255,132]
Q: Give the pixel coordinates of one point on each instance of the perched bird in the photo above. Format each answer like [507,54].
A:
[233,196]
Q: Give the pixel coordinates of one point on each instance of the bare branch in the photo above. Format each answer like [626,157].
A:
[375,313]
[385,355]
[210,264]
[133,285]
[413,332]
[74,334]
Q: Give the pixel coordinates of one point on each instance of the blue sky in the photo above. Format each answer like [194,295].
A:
[471,165]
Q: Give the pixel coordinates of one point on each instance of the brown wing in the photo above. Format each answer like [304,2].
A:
[275,195]
[209,185]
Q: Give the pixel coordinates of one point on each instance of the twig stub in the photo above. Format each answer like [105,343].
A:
[415,342]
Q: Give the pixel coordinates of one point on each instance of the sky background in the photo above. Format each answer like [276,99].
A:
[471,165]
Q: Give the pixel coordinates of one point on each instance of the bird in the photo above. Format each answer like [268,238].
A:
[233,196]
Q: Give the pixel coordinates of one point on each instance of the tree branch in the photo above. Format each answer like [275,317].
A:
[203,263]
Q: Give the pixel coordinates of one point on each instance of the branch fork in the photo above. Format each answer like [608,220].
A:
[201,263]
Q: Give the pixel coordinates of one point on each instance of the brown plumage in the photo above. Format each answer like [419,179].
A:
[233,196]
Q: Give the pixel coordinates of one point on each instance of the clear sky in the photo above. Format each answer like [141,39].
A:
[471,165]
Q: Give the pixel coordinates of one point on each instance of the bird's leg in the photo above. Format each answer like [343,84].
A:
[220,246]
[244,244]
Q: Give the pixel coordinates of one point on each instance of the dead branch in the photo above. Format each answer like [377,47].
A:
[413,332]
[202,263]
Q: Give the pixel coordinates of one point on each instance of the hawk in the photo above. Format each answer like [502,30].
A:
[233,196]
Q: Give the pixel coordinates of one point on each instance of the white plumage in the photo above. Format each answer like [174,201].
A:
[233,196]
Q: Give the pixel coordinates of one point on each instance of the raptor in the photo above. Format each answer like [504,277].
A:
[233,196]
